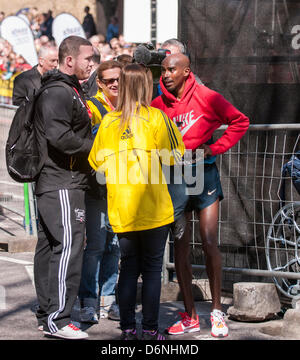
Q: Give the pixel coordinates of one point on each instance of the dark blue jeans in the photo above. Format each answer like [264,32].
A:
[100,259]
[141,254]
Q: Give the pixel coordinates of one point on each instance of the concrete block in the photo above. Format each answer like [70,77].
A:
[296,303]
[291,324]
[273,328]
[254,302]
[171,291]
[19,243]
[201,290]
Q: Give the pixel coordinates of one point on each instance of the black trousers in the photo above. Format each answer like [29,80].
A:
[58,255]
[141,254]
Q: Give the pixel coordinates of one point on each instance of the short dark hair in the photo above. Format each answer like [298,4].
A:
[106,65]
[70,46]
[124,59]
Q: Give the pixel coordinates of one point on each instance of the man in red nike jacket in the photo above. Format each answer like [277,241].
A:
[198,111]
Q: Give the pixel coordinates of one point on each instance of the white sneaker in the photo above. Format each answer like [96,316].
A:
[69,332]
[218,325]
[103,312]
[111,312]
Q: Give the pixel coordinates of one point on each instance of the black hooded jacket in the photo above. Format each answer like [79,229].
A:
[63,134]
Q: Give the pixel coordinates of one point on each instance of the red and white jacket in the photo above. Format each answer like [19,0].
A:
[201,111]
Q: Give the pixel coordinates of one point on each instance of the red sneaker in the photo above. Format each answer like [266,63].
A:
[185,325]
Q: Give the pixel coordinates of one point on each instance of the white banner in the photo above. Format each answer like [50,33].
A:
[137,21]
[65,25]
[25,18]
[166,20]
[17,32]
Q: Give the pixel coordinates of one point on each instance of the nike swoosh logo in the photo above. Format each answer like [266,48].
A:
[211,192]
[183,131]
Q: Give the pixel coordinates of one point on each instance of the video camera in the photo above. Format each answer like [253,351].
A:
[147,55]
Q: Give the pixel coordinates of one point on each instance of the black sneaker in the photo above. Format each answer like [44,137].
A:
[129,334]
[153,335]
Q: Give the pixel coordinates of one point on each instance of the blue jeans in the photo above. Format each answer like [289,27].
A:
[101,256]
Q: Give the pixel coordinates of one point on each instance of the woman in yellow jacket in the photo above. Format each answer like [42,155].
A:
[134,147]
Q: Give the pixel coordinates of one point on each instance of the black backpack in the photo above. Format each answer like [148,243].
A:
[23,160]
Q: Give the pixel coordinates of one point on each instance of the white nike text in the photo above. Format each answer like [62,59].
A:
[186,121]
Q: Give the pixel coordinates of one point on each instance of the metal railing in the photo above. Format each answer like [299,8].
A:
[258,234]
[17,207]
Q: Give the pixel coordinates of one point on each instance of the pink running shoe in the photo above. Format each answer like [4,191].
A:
[185,325]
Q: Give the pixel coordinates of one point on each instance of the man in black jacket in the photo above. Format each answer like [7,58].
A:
[63,134]
[90,86]
[29,81]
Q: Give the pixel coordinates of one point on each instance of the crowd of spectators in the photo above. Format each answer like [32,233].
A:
[41,26]
[10,62]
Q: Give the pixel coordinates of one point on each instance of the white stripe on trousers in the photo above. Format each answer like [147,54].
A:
[65,257]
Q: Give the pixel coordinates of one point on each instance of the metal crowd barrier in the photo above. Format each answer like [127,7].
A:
[17,204]
[258,233]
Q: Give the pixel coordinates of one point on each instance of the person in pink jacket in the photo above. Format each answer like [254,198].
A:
[198,111]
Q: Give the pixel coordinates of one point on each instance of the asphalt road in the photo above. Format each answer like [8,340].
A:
[18,299]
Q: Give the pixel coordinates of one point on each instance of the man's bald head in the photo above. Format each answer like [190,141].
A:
[178,59]
[175,71]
